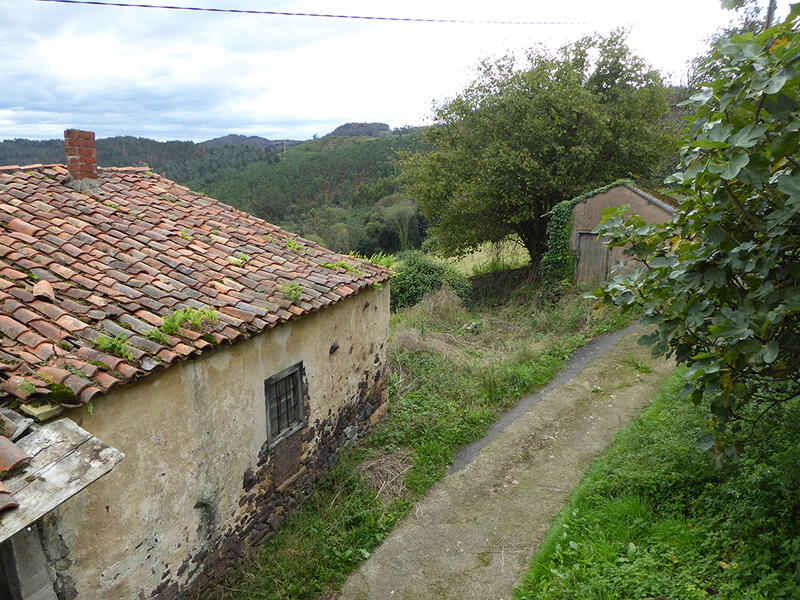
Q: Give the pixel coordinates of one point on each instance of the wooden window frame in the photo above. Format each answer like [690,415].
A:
[295,414]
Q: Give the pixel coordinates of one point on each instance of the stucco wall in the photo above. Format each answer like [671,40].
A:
[197,485]
[587,215]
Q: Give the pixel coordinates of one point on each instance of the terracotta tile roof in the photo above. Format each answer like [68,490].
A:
[116,261]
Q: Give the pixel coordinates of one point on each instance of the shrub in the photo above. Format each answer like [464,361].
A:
[418,274]
[720,280]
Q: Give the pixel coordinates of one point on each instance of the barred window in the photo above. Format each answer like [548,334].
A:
[284,392]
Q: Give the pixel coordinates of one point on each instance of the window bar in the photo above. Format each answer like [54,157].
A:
[284,412]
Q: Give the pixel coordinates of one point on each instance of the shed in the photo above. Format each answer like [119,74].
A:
[594,259]
[228,359]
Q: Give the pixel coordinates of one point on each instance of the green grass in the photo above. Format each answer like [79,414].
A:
[197,318]
[657,518]
[492,257]
[450,381]
[116,345]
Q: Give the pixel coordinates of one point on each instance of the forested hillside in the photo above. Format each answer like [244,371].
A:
[341,191]
[233,139]
[194,165]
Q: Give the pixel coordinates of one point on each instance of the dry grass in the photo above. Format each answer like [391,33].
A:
[386,474]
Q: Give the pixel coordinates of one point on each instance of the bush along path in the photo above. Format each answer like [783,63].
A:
[473,534]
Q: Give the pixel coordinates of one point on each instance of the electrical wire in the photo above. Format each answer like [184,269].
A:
[319,15]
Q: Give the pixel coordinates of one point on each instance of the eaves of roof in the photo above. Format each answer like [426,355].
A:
[78,268]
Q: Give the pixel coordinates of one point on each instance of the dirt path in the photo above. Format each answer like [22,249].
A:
[473,535]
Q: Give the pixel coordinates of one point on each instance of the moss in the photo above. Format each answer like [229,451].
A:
[61,394]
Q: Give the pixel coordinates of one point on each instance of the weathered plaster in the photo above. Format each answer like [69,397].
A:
[587,215]
[196,487]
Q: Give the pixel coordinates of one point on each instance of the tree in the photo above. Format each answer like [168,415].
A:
[721,281]
[750,19]
[519,140]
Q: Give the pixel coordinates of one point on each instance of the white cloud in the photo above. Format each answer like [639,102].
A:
[170,74]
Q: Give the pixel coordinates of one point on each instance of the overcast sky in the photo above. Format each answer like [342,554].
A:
[170,74]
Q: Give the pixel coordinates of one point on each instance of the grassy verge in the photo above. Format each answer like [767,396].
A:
[655,518]
[504,255]
[453,372]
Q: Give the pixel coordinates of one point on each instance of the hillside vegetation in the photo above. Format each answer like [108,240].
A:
[339,190]
[193,165]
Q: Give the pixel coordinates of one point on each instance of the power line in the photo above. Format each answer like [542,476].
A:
[320,15]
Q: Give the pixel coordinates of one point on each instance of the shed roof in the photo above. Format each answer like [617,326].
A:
[118,260]
[664,202]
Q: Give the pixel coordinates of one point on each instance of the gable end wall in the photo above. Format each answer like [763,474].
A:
[199,485]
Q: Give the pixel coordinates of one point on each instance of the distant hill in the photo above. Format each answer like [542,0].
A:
[362,129]
[250,140]
[193,165]
[339,190]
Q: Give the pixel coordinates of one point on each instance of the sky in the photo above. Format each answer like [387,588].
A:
[168,74]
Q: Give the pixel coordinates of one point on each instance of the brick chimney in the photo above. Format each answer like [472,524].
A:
[81,159]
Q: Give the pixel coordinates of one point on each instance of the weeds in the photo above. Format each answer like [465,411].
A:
[654,518]
[239,259]
[448,384]
[342,264]
[293,244]
[26,387]
[158,336]
[197,318]
[292,291]
[117,345]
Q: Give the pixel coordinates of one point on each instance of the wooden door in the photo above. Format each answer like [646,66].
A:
[593,258]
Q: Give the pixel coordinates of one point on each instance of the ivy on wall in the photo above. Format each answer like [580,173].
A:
[558,263]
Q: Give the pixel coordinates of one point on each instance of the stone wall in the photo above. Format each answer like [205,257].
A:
[200,485]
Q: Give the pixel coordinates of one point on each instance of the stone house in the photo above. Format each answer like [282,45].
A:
[594,259]
[227,359]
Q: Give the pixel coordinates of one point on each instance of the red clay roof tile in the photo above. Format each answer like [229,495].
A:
[117,260]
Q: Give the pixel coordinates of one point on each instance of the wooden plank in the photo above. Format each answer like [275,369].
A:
[21,424]
[66,459]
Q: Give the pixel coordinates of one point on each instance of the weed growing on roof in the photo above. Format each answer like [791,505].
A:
[185,234]
[293,244]
[342,264]
[270,238]
[169,199]
[197,318]
[379,258]
[112,204]
[76,371]
[26,387]
[210,339]
[117,345]
[292,291]
[158,336]
[239,259]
